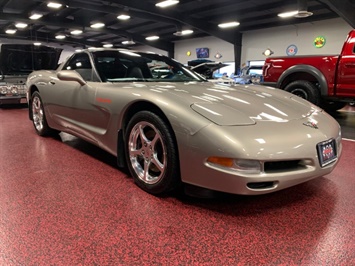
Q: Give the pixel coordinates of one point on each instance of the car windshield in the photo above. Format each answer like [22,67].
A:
[124,65]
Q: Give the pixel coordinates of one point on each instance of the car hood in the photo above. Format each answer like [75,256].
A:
[241,105]
[22,59]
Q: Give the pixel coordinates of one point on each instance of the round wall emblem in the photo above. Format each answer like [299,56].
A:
[291,50]
[319,42]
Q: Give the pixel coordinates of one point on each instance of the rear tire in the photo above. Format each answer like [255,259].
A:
[151,153]
[39,117]
[305,90]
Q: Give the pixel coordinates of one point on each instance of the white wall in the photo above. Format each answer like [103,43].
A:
[302,35]
[278,39]
[214,44]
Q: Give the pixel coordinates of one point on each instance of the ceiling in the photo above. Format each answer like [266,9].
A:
[201,16]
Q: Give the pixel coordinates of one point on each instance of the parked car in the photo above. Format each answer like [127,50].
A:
[250,75]
[16,62]
[179,128]
[325,80]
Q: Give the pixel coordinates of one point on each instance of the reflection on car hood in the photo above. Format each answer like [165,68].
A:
[257,103]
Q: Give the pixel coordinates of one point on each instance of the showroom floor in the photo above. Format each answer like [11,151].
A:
[64,202]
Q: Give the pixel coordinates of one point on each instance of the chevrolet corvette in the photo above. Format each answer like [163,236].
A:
[169,126]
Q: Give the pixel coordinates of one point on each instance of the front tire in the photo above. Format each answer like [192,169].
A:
[38,116]
[305,90]
[151,153]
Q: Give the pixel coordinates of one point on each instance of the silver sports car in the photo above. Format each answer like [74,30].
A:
[170,126]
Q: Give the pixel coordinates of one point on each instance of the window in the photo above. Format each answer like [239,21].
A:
[81,64]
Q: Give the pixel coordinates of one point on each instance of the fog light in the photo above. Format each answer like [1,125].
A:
[241,165]
[249,166]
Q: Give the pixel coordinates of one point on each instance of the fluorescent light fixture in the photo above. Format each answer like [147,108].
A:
[54,5]
[37,43]
[60,37]
[167,3]
[35,16]
[288,14]
[229,24]
[130,42]
[97,25]
[76,32]
[21,25]
[183,32]
[10,31]
[108,45]
[124,17]
[152,38]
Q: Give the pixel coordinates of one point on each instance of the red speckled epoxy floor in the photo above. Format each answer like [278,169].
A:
[64,202]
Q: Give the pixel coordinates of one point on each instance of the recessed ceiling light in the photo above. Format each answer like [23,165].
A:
[37,43]
[97,25]
[167,3]
[54,5]
[152,38]
[21,25]
[35,16]
[60,37]
[76,32]
[229,24]
[130,42]
[124,17]
[303,14]
[10,31]
[183,32]
[288,14]
[108,45]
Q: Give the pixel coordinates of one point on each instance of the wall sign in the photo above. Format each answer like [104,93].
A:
[319,42]
[291,50]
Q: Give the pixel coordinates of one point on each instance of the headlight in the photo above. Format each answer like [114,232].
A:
[3,90]
[14,90]
[240,165]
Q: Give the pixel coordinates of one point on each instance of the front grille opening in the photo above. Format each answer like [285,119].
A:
[261,185]
[282,166]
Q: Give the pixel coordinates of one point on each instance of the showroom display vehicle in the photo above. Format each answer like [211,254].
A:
[19,60]
[170,126]
[325,80]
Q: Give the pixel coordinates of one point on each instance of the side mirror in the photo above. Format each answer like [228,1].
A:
[70,75]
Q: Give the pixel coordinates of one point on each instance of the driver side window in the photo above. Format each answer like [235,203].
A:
[81,64]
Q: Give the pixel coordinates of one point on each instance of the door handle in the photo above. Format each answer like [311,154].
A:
[52,82]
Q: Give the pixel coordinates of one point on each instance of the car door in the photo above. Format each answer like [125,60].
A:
[346,71]
[72,105]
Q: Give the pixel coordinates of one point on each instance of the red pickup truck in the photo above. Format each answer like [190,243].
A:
[325,80]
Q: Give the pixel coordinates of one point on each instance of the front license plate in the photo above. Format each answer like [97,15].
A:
[327,152]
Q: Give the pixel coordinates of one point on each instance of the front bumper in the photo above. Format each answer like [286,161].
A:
[19,99]
[276,144]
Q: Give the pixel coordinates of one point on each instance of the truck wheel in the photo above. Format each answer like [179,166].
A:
[332,106]
[305,90]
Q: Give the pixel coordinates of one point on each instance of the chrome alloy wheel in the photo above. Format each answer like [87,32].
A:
[37,113]
[147,152]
